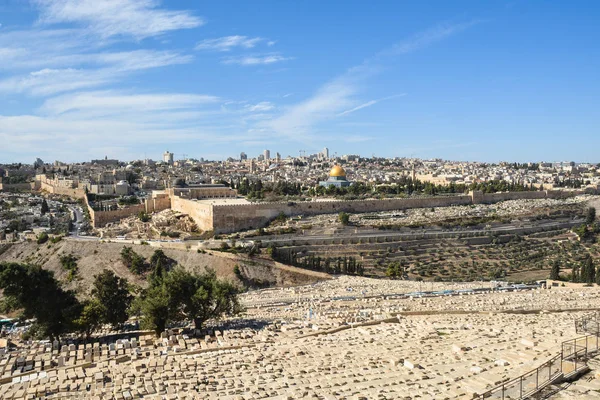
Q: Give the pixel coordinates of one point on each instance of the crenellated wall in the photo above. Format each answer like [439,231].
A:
[48,185]
[202,213]
[17,187]
[235,217]
[229,218]
[101,218]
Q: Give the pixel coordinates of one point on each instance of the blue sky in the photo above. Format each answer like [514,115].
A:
[461,80]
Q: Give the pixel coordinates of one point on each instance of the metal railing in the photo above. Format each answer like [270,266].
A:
[571,361]
[528,383]
[589,324]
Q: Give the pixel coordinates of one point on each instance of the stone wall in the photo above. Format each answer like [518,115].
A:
[17,187]
[43,183]
[230,218]
[202,213]
[101,218]
[157,204]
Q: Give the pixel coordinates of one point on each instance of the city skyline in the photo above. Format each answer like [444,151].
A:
[462,81]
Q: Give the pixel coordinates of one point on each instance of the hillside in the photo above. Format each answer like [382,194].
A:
[93,257]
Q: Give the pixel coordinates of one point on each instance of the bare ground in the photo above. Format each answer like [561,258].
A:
[94,257]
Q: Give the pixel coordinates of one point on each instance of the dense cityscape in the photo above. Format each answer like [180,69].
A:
[299,200]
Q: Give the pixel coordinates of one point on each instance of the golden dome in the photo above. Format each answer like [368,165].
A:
[337,171]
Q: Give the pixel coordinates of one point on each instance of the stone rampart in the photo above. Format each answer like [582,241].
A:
[101,218]
[157,204]
[45,184]
[17,187]
[230,218]
[202,213]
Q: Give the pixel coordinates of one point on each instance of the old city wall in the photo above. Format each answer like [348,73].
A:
[230,218]
[496,197]
[46,184]
[17,187]
[101,218]
[202,213]
[157,204]
[479,197]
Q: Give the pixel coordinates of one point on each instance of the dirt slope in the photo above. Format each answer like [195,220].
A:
[93,257]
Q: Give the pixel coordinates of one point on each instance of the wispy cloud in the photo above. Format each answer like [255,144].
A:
[106,101]
[337,97]
[134,18]
[260,107]
[296,120]
[427,38]
[227,43]
[101,69]
[368,104]
[257,59]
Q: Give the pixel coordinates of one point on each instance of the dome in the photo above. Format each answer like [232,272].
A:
[337,171]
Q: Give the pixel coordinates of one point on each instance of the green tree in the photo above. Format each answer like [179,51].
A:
[42,238]
[590,215]
[45,207]
[69,263]
[200,297]
[37,294]
[588,271]
[113,293]
[181,295]
[91,317]
[575,274]
[143,216]
[344,218]
[154,306]
[555,271]
[133,261]
[160,265]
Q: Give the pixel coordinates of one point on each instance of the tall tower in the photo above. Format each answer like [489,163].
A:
[168,157]
[326,153]
[414,175]
[267,155]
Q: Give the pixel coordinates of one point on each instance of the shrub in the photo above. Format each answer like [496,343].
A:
[42,238]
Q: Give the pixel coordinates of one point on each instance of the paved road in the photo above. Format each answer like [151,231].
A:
[78,221]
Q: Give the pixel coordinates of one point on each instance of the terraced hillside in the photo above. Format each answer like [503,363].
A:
[515,257]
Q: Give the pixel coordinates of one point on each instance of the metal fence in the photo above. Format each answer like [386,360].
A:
[571,360]
[527,383]
[589,324]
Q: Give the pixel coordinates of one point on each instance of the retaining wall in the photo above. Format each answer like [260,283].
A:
[231,218]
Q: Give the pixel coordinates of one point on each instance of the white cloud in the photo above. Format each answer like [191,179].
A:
[367,104]
[427,38]
[261,107]
[136,18]
[328,101]
[113,67]
[226,43]
[336,98]
[50,81]
[256,59]
[107,102]
[364,105]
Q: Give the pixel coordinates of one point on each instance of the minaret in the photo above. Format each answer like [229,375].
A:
[413,173]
